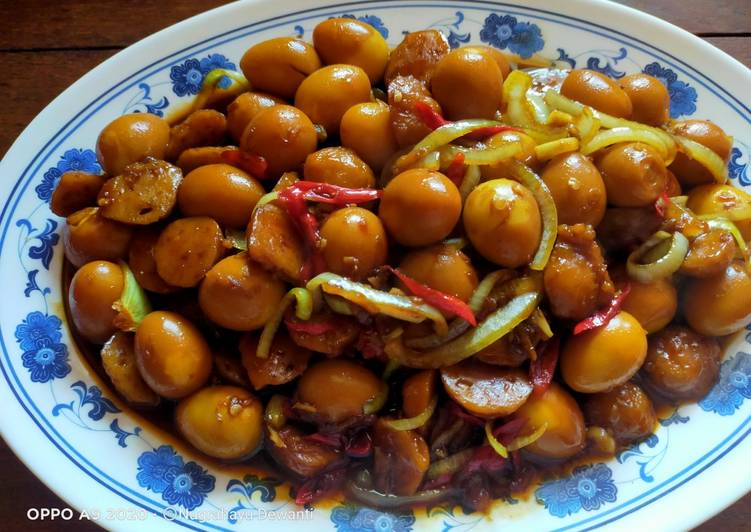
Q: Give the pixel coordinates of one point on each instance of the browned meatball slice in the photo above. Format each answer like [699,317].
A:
[576,278]
[625,411]
[682,364]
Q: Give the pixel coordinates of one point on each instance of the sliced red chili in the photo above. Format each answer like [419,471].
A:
[509,431]
[293,201]
[458,411]
[335,194]
[485,459]
[455,171]
[370,344]
[542,369]
[433,120]
[359,445]
[440,300]
[330,439]
[318,487]
[253,164]
[310,327]
[604,316]
[429,116]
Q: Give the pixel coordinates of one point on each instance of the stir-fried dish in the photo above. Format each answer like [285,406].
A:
[408,276]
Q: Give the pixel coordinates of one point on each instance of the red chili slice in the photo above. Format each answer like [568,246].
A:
[318,487]
[433,120]
[604,316]
[542,369]
[455,171]
[253,164]
[310,327]
[444,302]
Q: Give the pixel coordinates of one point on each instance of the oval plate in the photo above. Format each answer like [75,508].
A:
[77,436]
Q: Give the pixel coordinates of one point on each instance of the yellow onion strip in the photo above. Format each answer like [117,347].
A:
[377,301]
[417,421]
[499,323]
[557,101]
[541,322]
[482,156]
[459,326]
[521,113]
[717,222]
[664,266]
[547,151]
[522,441]
[616,135]
[493,441]
[274,414]
[549,214]
[211,84]
[705,157]
[471,179]
[303,310]
[375,404]
[586,125]
[440,137]
[559,118]
[518,443]
[431,161]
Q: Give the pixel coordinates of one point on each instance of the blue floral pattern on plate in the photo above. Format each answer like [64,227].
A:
[682,95]
[75,159]
[163,471]
[44,356]
[187,77]
[505,31]
[738,171]
[351,518]
[588,488]
[733,387]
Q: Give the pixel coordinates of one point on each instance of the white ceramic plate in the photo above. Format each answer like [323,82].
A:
[74,433]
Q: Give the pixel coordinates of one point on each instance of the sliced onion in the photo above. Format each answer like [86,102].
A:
[586,125]
[377,301]
[431,161]
[558,119]
[522,441]
[360,489]
[303,310]
[274,414]
[558,101]
[547,151]
[482,156]
[440,137]
[490,330]
[375,404]
[459,326]
[417,421]
[662,267]
[493,441]
[717,222]
[608,137]
[471,180]
[548,211]
[449,465]
[521,113]
[705,157]
[539,319]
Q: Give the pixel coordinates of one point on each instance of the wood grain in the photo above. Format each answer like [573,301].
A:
[45,46]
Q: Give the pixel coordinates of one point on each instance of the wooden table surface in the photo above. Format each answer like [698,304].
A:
[46,45]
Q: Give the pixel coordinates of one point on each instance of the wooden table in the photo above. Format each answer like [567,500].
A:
[46,45]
